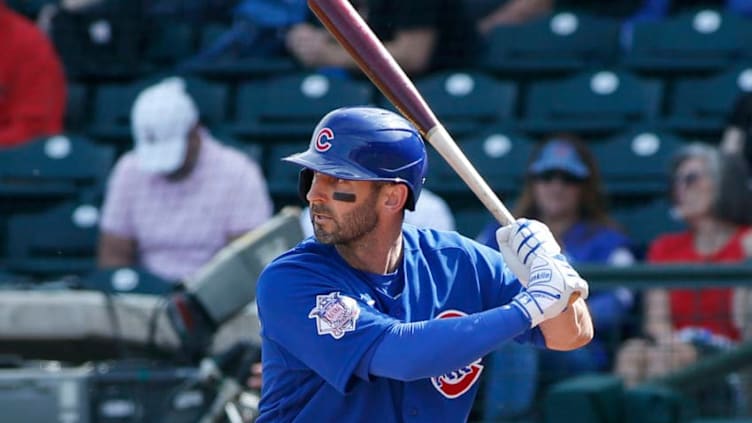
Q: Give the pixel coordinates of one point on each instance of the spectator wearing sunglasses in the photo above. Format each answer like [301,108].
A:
[679,325]
[563,189]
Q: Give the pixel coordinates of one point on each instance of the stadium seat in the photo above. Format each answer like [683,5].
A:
[76,107]
[168,42]
[102,42]
[239,69]
[55,243]
[282,177]
[635,162]
[592,102]
[644,222]
[287,108]
[469,221]
[126,280]
[500,155]
[47,170]
[467,102]
[564,42]
[694,41]
[113,102]
[700,107]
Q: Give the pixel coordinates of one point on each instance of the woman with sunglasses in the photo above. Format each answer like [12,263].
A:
[563,189]
[710,193]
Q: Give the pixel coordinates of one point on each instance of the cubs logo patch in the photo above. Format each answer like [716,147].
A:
[335,314]
[322,139]
[456,383]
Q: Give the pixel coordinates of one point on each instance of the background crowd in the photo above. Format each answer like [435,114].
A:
[174,92]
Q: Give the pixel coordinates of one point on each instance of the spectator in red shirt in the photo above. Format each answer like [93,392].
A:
[32,83]
[710,194]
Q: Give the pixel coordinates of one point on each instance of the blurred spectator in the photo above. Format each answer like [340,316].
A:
[563,189]
[32,83]
[180,195]
[431,211]
[680,325]
[258,30]
[736,136]
[422,35]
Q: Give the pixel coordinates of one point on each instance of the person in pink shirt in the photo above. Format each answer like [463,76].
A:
[179,196]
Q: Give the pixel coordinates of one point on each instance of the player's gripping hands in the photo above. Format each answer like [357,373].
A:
[532,253]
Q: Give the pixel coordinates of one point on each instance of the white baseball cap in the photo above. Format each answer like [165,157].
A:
[161,119]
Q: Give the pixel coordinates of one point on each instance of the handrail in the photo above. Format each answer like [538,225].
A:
[644,275]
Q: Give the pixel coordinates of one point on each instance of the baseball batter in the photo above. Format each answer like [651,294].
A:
[371,320]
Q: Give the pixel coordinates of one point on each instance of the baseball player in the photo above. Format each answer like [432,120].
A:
[373,320]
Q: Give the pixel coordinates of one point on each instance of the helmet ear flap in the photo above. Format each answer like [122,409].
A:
[305,179]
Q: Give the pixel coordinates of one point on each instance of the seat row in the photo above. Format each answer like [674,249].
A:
[597,102]
[697,40]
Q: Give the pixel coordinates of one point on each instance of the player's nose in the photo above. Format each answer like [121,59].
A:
[317,190]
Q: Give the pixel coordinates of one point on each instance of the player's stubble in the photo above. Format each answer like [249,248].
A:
[351,226]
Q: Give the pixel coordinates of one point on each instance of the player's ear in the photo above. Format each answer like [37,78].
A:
[395,196]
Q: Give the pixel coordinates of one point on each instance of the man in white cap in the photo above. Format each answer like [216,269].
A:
[179,196]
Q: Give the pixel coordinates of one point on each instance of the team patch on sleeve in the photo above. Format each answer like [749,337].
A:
[335,314]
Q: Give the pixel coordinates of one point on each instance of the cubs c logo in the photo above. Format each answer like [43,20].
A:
[322,140]
[456,383]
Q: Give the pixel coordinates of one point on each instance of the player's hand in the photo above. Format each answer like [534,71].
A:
[522,241]
[552,282]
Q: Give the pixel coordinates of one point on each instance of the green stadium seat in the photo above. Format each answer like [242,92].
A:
[168,42]
[644,222]
[282,177]
[288,108]
[126,280]
[54,243]
[239,69]
[694,41]
[113,103]
[47,170]
[700,107]
[469,221]
[585,399]
[563,42]
[635,162]
[467,102]
[500,154]
[598,101]
[76,107]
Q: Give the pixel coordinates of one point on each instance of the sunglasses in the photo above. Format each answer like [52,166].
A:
[565,177]
[688,179]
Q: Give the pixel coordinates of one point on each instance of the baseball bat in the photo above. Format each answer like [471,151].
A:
[346,25]
[353,33]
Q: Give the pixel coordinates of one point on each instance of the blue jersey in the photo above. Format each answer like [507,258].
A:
[320,319]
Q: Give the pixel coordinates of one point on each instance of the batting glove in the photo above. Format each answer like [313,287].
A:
[552,283]
[521,242]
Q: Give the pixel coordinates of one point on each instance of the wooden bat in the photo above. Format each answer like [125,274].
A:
[352,32]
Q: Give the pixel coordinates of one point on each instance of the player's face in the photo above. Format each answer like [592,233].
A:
[693,189]
[342,222]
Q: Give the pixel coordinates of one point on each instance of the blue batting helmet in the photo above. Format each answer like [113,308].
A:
[365,144]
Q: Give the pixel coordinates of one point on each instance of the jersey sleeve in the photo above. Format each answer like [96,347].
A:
[317,320]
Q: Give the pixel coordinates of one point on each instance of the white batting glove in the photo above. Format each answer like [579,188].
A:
[521,242]
[552,283]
